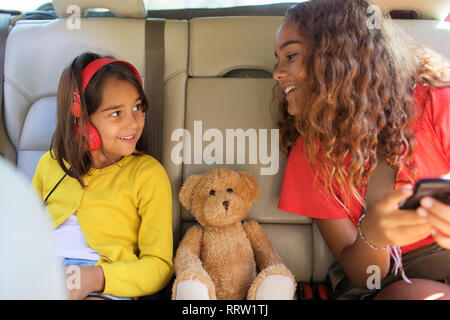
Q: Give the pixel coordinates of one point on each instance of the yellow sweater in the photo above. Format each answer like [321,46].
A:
[125,214]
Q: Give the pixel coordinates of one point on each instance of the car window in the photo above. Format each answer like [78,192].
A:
[22,5]
[30,5]
[198,4]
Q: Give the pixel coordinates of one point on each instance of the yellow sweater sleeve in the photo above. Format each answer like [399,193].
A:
[154,268]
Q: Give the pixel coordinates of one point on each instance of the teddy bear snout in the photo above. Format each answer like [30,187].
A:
[226,204]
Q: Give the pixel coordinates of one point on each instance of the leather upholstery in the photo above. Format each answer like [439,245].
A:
[121,9]
[198,55]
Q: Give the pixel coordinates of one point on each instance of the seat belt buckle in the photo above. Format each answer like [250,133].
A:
[322,292]
[305,291]
[313,291]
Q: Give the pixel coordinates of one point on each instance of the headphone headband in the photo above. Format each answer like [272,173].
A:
[89,71]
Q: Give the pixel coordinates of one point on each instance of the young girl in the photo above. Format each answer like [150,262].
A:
[111,204]
[358,96]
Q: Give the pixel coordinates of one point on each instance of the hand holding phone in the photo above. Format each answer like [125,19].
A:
[438,189]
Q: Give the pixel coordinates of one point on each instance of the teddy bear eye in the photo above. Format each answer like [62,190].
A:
[212,192]
[229,190]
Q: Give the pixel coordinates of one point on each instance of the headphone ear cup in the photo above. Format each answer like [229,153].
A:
[76,109]
[92,136]
[76,106]
[95,141]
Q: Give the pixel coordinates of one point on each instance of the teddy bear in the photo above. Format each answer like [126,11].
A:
[219,258]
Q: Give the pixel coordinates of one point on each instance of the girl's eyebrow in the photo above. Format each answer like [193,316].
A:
[285,44]
[117,107]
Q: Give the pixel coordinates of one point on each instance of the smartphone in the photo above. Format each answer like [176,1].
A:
[438,189]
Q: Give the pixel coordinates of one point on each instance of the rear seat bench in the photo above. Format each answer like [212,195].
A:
[230,88]
[214,78]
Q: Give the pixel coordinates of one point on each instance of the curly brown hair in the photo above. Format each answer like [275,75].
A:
[356,98]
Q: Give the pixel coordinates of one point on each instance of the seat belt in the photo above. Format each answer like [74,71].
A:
[4,28]
[154,86]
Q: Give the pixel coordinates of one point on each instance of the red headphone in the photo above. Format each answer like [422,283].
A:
[88,72]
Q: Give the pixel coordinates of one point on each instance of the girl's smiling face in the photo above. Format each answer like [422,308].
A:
[119,120]
[289,70]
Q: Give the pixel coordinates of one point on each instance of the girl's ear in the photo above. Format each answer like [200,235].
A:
[187,189]
[252,185]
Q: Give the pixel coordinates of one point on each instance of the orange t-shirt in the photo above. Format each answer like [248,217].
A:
[432,159]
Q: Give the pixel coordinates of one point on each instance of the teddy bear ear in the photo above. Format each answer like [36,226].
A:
[253,186]
[188,187]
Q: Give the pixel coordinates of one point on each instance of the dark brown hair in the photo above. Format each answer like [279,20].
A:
[356,98]
[67,147]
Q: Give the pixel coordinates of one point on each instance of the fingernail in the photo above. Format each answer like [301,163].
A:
[407,188]
[426,202]
[422,212]
[433,231]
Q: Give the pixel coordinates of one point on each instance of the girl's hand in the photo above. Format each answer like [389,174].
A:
[82,280]
[438,214]
[385,224]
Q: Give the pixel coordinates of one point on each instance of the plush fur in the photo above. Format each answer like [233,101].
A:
[223,253]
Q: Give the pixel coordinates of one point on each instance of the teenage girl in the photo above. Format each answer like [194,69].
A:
[111,204]
[359,93]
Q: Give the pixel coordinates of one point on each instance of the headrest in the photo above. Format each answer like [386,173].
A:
[120,8]
[430,9]
[216,48]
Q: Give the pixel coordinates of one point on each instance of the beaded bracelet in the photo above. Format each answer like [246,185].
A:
[364,238]
[394,251]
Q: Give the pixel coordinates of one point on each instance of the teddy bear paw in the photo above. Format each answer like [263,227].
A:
[192,290]
[275,287]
